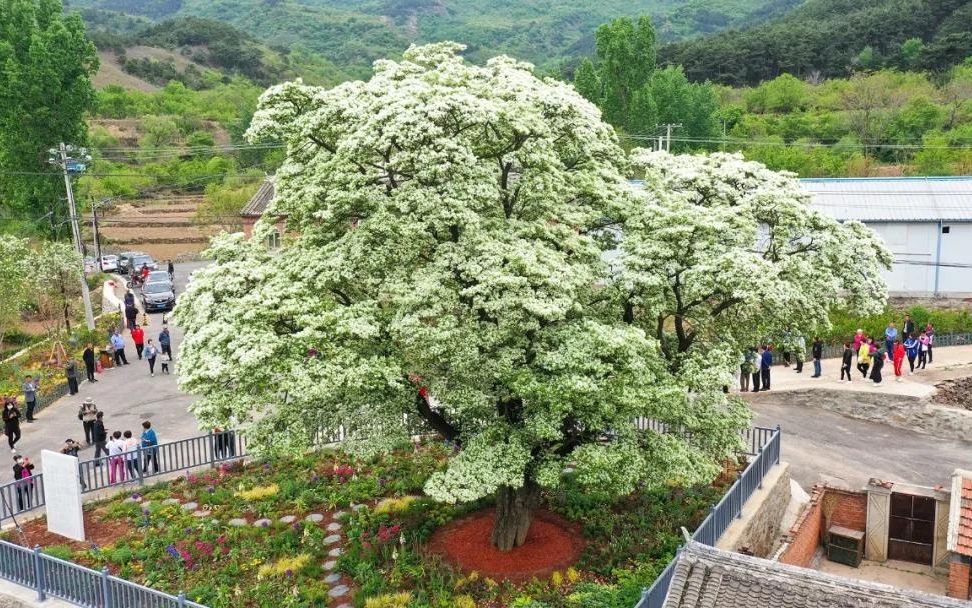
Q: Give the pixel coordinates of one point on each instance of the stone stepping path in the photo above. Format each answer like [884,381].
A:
[333,579]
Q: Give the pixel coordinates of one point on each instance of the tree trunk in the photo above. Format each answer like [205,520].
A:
[514,514]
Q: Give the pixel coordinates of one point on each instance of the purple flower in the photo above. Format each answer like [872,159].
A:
[295,525]
[136,496]
[289,572]
[211,489]
[266,466]
[171,550]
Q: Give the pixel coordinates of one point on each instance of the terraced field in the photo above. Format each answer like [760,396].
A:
[165,228]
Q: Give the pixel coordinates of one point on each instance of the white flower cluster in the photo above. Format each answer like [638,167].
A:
[448,232]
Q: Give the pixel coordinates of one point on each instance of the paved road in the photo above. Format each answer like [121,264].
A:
[825,446]
[128,395]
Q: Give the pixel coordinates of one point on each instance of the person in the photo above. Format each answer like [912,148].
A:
[71,373]
[908,327]
[72,448]
[911,349]
[23,470]
[766,362]
[930,332]
[30,396]
[116,459]
[801,353]
[757,363]
[890,335]
[746,369]
[898,356]
[88,414]
[878,363]
[149,442]
[118,346]
[858,339]
[89,362]
[786,349]
[817,352]
[864,358]
[131,454]
[11,422]
[845,362]
[923,350]
[171,268]
[165,365]
[138,337]
[165,342]
[145,272]
[129,299]
[100,436]
[131,315]
[150,353]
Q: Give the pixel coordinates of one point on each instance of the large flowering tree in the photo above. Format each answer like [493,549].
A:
[723,253]
[445,271]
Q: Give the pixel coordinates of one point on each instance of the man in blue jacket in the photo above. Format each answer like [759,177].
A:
[765,363]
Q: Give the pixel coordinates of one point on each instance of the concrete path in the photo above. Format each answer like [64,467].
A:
[128,395]
[949,361]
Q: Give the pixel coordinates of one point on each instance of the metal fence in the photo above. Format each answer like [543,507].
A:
[52,577]
[835,351]
[145,463]
[24,496]
[766,444]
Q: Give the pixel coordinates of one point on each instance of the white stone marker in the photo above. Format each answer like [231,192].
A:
[62,491]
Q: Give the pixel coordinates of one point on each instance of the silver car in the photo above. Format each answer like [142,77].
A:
[158,296]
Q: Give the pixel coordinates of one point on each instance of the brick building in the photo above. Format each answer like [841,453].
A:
[960,534]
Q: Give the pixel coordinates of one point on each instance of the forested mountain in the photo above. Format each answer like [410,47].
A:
[832,38]
[353,33]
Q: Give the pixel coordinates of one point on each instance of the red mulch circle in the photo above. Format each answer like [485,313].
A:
[552,544]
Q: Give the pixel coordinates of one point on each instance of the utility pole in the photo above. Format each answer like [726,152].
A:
[668,134]
[60,157]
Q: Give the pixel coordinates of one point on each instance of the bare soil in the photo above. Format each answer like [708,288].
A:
[98,530]
[956,392]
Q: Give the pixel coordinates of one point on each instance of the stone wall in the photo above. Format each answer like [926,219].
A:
[827,507]
[902,411]
[756,531]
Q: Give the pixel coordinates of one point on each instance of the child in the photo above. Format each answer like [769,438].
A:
[845,366]
[923,342]
[864,359]
[165,365]
[898,358]
[911,349]
[116,459]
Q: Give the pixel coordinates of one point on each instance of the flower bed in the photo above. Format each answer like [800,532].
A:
[53,383]
[324,530]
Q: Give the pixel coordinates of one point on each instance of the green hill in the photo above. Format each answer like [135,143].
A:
[831,38]
[353,33]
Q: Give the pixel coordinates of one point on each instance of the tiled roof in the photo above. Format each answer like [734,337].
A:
[706,577]
[257,205]
[897,199]
[960,514]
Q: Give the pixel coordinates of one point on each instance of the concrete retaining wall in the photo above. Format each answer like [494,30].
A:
[911,413]
[756,530]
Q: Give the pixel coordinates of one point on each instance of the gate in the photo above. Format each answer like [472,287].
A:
[911,529]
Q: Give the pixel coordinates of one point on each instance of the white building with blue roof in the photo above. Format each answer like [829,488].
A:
[925,221]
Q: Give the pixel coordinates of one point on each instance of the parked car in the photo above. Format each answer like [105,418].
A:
[125,260]
[139,260]
[158,276]
[109,263]
[157,296]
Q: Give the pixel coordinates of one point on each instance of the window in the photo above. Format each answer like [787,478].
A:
[273,241]
[946,229]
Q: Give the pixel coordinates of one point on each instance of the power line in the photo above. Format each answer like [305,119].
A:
[769,142]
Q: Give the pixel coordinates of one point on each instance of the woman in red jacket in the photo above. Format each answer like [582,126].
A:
[898,358]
